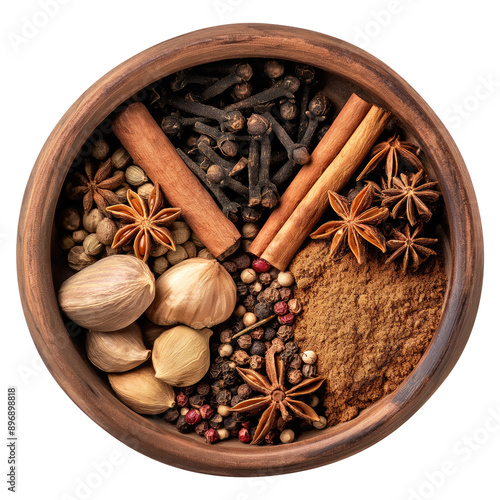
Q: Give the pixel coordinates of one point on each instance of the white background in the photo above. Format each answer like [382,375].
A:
[447,50]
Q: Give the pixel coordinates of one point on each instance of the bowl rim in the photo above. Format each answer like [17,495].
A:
[84,386]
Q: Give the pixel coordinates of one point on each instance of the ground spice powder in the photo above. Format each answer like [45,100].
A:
[369,324]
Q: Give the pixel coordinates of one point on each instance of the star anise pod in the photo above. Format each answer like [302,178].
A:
[408,196]
[96,185]
[389,150]
[413,247]
[357,224]
[276,399]
[144,222]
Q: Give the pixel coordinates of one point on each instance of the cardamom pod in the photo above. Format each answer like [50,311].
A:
[181,355]
[140,390]
[117,351]
[108,295]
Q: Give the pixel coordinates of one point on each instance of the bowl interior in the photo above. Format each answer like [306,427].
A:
[348,70]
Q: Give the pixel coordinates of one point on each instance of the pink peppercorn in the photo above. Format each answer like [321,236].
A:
[193,417]
[244,435]
[261,266]
[182,399]
[206,411]
[286,319]
[211,436]
[280,308]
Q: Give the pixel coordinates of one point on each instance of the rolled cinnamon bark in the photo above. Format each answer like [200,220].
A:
[156,155]
[351,115]
[287,241]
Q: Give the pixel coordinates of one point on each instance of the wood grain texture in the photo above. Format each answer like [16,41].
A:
[347,66]
[328,148]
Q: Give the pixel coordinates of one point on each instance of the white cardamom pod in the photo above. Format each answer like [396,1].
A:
[108,295]
[196,292]
[181,355]
[140,390]
[117,351]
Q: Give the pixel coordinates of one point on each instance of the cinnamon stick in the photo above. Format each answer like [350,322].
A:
[354,110]
[156,155]
[287,241]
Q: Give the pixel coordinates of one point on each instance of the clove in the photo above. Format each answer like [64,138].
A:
[225,141]
[230,167]
[296,152]
[239,73]
[274,69]
[241,91]
[186,77]
[316,113]
[268,191]
[229,208]
[306,75]
[231,120]
[218,176]
[285,88]
[174,124]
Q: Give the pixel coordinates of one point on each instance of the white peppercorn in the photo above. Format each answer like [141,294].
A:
[286,278]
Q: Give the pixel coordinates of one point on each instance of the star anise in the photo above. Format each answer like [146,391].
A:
[276,399]
[407,195]
[357,224]
[96,186]
[413,247]
[144,222]
[389,150]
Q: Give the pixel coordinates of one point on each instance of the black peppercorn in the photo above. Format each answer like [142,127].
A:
[272,437]
[202,427]
[258,348]
[244,391]
[249,302]
[286,356]
[171,415]
[216,421]
[242,261]
[269,334]
[224,397]
[245,341]
[235,400]
[225,335]
[265,278]
[285,333]
[215,371]
[188,390]
[230,378]
[203,388]
[263,310]
[257,333]
[231,423]
[230,267]
[296,362]
[256,362]
[182,425]
[241,288]
[240,357]
[196,401]
[217,386]
[268,296]
[275,284]
[285,294]
[292,346]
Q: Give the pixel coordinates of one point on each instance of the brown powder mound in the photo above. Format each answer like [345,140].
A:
[369,324]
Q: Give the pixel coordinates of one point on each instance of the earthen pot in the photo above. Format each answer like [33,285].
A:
[348,69]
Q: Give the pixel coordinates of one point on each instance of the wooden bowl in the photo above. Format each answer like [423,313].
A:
[349,69]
